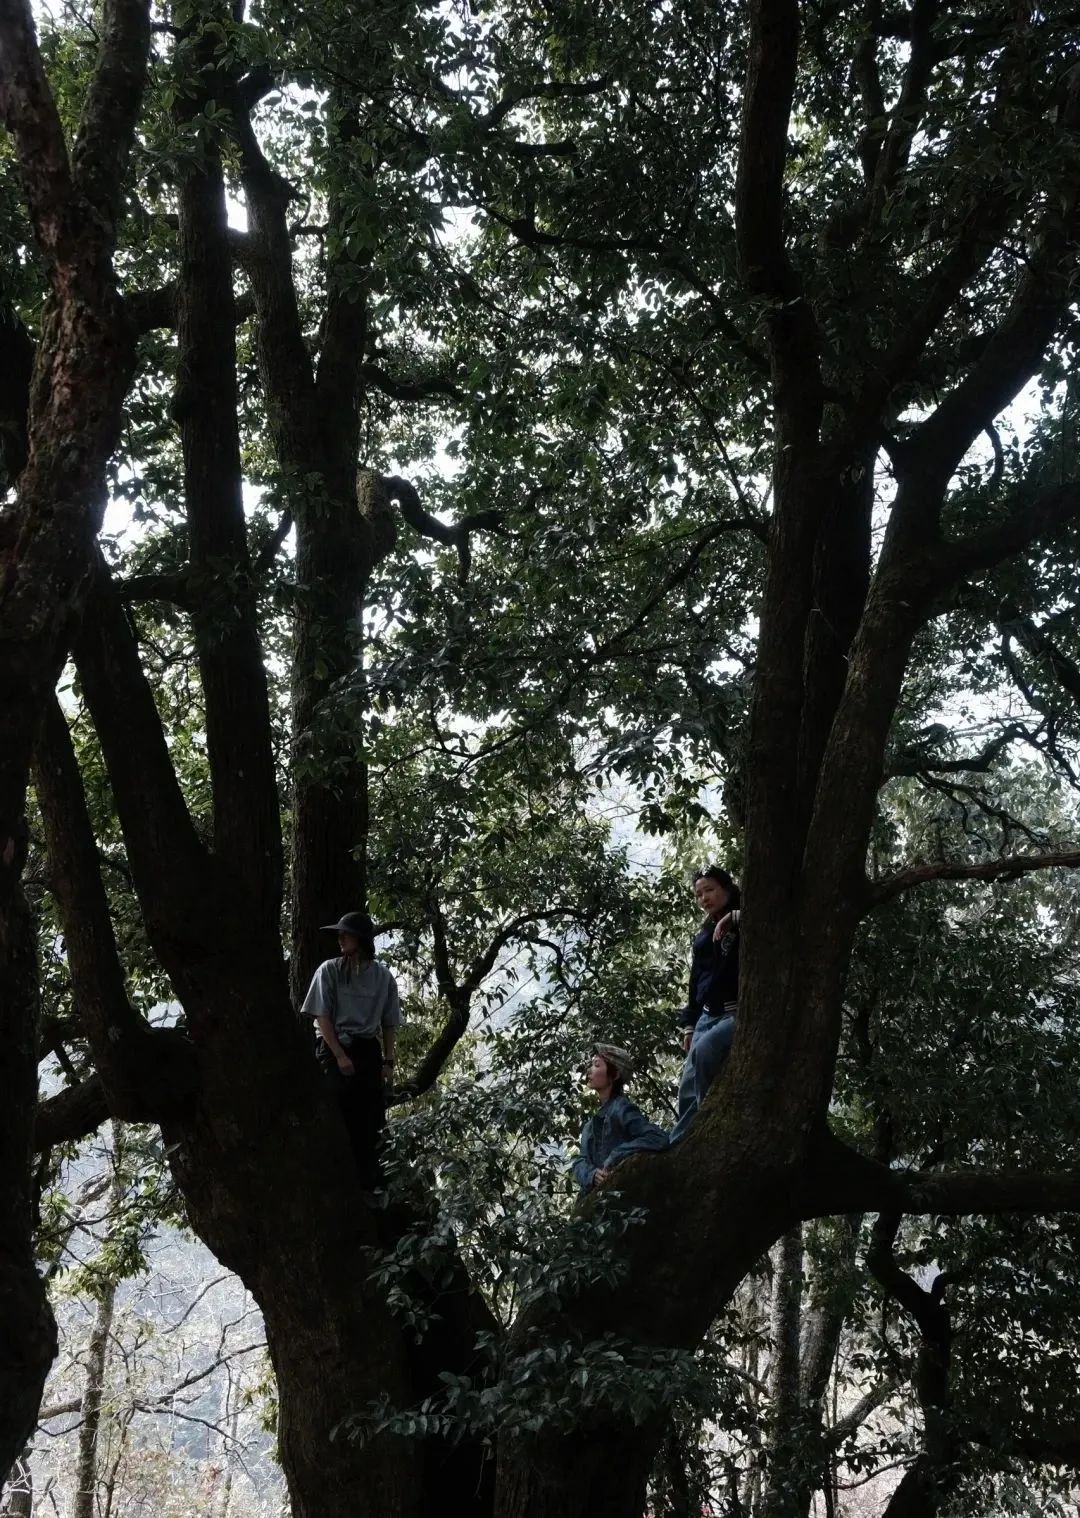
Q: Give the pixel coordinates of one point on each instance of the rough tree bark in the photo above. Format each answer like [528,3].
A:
[245,1113]
[80,377]
[745,1172]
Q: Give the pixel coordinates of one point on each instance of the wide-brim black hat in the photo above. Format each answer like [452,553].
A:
[357,923]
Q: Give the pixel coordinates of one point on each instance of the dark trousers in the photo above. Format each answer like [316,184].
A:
[361,1099]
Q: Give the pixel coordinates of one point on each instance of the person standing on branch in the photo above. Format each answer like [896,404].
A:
[619,1128]
[354,1001]
[708,1019]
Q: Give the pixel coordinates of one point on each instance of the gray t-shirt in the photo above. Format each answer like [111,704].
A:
[358,1006]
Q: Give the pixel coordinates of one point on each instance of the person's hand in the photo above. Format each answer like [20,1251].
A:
[687,1039]
[345,1064]
[601,1176]
[388,1074]
[722,927]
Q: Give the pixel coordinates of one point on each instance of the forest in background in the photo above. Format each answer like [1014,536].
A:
[480,462]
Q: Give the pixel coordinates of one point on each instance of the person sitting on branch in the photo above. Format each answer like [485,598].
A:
[708,1020]
[354,1001]
[619,1128]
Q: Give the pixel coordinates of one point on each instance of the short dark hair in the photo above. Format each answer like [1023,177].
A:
[722,877]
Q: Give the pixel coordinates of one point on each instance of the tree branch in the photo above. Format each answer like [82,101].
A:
[1010,868]
[146,1074]
[29,112]
[172,589]
[112,106]
[868,79]
[409,390]
[1031,520]
[288,376]
[345,317]
[550,89]
[660,257]
[247,827]
[840,1180]
[1046,1446]
[153,309]
[615,642]
[763,262]
[72,1114]
[1037,642]
[459,995]
[911,103]
[153,812]
[456,535]
[1015,348]
[912,762]
[856,1416]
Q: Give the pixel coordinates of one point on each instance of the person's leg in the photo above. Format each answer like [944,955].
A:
[367,1111]
[688,1082]
[709,1050]
[712,1050]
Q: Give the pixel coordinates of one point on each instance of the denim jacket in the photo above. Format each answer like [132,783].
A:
[619,1128]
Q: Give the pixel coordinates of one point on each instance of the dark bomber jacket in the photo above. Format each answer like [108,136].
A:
[714,975]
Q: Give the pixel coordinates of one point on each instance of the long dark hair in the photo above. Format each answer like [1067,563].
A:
[365,952]
[722,877]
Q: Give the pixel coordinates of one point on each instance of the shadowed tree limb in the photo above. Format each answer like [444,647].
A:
[73,1113]
[911,761]
[455,535]
[1010,868]
[146,1074]
[459,994]
[840,1180]
[82,371]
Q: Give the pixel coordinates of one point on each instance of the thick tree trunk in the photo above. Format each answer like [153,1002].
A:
[258,1150]
[330,803]
[247,828]
[27,1329]
[716,1202]
[598,1471]
[916,1496]
[80,377]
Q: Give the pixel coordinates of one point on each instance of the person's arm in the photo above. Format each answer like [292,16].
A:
[584,1162]
[692,1011]
[320,1003]
[330,1038]
[639,1136]
[584,1172]
[391,1021]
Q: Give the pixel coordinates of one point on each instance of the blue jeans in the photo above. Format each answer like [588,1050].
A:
[708,1051]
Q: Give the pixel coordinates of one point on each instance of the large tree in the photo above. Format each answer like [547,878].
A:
[640,262]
